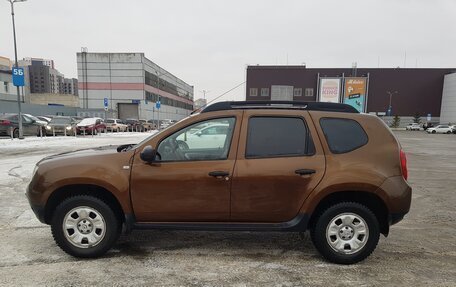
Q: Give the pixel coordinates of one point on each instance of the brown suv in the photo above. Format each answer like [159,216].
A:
[248,166]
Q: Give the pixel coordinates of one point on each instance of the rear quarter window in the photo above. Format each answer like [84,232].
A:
[343,135]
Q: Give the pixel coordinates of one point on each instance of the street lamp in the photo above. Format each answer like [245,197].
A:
[390,100]
[21,133]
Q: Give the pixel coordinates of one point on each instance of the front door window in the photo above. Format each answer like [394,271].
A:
[207,140]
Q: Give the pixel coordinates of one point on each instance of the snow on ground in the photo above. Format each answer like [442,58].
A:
[18,159]
[30,143]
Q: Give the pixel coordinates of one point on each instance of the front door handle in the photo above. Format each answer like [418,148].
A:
[305,171]
[219,173]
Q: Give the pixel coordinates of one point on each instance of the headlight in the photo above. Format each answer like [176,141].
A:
[48,127]
[68,128]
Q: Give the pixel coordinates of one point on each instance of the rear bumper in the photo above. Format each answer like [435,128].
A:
[397,194]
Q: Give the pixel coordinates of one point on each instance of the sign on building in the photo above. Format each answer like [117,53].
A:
[355,93]
[329,91]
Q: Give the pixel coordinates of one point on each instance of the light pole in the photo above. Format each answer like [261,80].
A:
[390,101]
[21,134]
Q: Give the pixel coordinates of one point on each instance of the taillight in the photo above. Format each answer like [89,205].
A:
[5,122]
[404,165]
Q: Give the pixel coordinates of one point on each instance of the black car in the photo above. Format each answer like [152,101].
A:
[134,125]
[9,124]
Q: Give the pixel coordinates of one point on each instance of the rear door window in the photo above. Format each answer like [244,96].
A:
[278,137]
[343,135]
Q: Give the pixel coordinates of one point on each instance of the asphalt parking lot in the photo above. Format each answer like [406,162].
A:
[420,251]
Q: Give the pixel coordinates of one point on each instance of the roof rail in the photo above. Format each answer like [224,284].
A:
[310,106]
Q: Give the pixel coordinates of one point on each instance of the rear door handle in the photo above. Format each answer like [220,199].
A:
[219,174]
[305,171]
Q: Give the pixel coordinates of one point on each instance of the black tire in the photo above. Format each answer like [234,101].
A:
[319,239]
[16,133]
[112,226]
[433,132]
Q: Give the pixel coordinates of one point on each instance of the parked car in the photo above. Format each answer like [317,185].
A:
[413,127]
[115,125]
[90,126]
[440,129]
[147,125]
[60,125]
[9,123]
[134,125]
[322,167]
[166,123]
[453,128]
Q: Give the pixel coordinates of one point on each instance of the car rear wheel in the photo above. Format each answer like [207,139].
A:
[346,233]
[85,226]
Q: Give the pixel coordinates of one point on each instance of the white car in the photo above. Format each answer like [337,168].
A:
[115,125]
[440,129]
[413,127]
[453,128]
[210,136]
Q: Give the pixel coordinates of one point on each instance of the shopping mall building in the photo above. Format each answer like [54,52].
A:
[405,92]
[128,85]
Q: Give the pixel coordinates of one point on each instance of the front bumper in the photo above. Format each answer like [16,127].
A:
[37,209]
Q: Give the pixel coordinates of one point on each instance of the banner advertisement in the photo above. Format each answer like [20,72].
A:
[355,93]
[330,90]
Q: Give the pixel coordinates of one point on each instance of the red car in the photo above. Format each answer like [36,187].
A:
[91,126]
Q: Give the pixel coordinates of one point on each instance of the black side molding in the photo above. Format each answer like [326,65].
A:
[297,224]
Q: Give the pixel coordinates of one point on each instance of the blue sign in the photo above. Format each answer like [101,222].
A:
[158,104]
[136,101]
[105,102]
[18,77]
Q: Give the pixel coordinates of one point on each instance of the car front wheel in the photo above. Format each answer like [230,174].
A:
[346,233]
[85,226]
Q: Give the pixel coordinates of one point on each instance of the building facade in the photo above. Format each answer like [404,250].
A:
[131,85]
[410,91]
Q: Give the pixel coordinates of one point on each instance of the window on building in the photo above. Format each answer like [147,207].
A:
[253,92]
[309,92]
[297,92]
[5,84]
[265,92]
[343,135]
[267,137]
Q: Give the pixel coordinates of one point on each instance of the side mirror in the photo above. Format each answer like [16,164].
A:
[199,134]
[148,154]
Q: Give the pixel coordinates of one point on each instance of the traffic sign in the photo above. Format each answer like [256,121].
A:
[18,77]
[158,104]
[429,117]
[106,109]
[105,102]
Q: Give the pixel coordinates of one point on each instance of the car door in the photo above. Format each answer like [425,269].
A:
[280,161]
[187,183]
[28,126]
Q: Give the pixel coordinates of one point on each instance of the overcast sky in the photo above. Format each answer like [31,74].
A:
[209,43]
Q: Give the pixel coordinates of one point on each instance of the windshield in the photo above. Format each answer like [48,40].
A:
[109,121]
[60,121]
[89,121]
